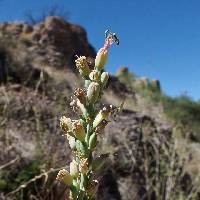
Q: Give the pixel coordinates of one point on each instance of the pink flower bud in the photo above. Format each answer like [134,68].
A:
[102,54]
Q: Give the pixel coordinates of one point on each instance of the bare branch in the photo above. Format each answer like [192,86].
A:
[24,185]
[54,10]
[9,163]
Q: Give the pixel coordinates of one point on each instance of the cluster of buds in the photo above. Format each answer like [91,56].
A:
[82,65]
[82,134]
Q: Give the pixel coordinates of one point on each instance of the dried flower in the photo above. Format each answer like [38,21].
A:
[79,130]
[83,165]
[74,106]
[82,65]
[80,94]
[65,124]
[64,176]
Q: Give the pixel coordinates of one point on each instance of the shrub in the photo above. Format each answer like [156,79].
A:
[82,134]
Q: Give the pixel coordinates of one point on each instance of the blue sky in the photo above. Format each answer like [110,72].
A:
[160,39]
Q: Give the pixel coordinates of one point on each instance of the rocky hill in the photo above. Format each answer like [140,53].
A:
[37,77]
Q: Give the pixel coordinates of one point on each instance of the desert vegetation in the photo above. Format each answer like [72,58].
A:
[82,134]
[181,111]
[153,142]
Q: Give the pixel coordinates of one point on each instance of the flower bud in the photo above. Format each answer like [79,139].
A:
[74,169]
[93,141]
[79,93]
[93,92]
[94,75]
[72,142]
[104,78]
[101,59]
[64,176]
[102,115]
[81,148]
[82,65]
[82,108]
[79,130]
[65,124]
[83,165]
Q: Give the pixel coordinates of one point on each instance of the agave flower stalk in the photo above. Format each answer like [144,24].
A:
[82,134]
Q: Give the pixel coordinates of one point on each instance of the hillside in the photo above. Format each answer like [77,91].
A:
[150,156]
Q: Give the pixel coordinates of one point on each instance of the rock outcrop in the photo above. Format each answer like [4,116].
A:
[124,74]
[53,42]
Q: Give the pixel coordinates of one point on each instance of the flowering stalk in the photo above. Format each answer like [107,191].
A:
[82,134]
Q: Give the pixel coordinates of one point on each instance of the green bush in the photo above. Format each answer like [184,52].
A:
[183,110]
